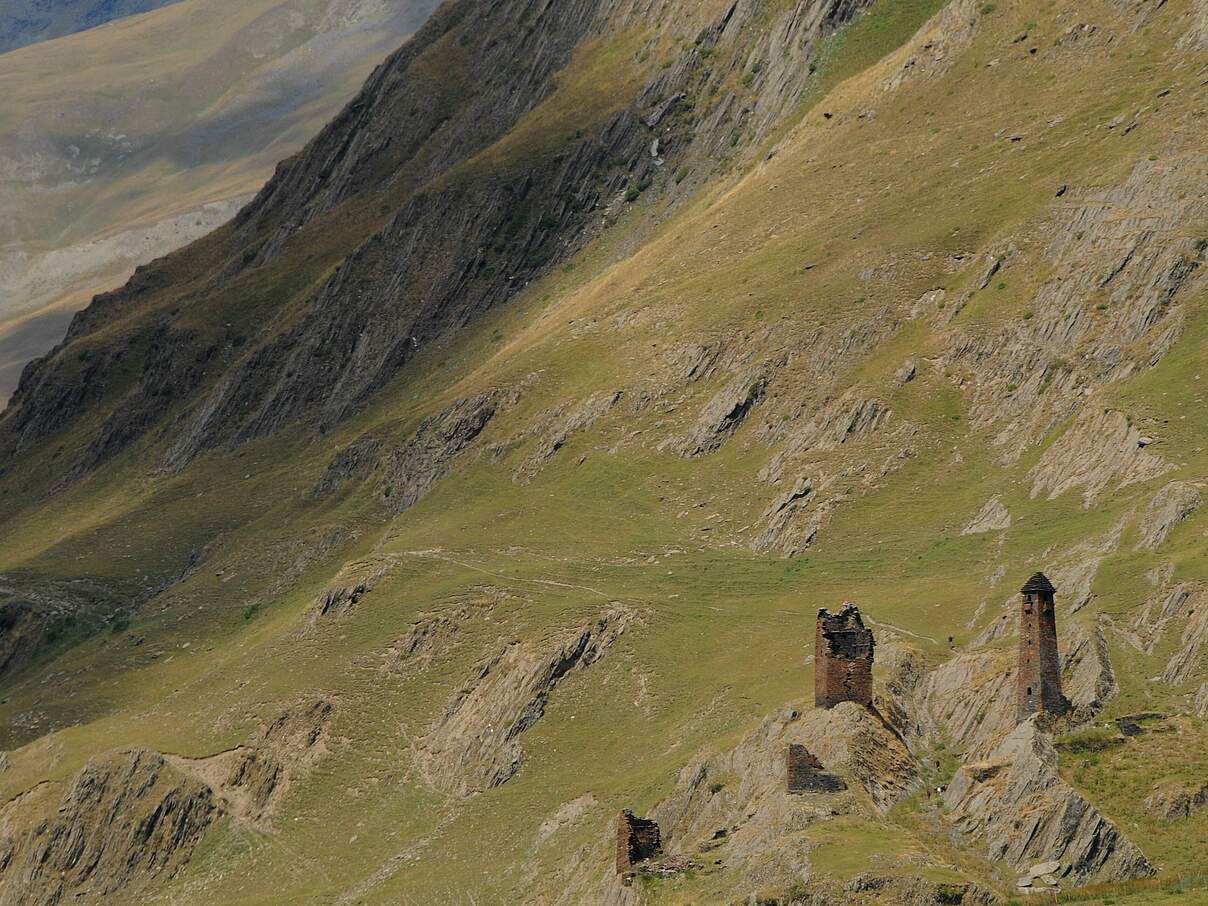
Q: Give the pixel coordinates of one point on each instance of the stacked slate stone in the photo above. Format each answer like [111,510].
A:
[637,841]
[806,774]
[843,653]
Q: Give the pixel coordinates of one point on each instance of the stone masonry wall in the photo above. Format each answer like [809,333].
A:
[806,774]
[843,656]
[637,841]
[1039,664]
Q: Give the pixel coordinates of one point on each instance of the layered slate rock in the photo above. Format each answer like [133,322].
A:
[127,819]
[1017,803]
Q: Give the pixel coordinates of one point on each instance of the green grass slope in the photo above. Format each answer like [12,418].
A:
[889,187]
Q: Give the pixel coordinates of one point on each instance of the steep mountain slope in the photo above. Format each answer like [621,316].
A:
[24,22]
[484,476]
[128,141]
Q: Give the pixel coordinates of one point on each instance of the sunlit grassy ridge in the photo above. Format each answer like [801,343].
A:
[722,633]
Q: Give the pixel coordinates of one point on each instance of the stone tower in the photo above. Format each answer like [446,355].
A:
[637,840]
[842,658]
[1039,665]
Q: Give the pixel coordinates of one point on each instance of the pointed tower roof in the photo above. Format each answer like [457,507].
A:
[1038,583]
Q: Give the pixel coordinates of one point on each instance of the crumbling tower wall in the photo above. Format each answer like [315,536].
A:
[806,774]
[637,841]
[843,654]
[1039,664]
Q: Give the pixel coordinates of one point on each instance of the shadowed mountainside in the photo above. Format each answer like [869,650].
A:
[122,143]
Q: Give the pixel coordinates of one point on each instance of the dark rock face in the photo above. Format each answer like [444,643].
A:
[421,237]
[126,820]
[843,653]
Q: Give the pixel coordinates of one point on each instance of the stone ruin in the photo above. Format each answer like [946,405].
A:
[637,841]
[843,652]
[806,774]
[1039,679]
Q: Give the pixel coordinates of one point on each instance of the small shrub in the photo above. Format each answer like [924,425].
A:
[1028,315]
[250,612]
[632,194]
[681,174]
[716,787]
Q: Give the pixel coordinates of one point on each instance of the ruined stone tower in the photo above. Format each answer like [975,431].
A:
[842,658]
[637,841]
[1039,665]
[806,774]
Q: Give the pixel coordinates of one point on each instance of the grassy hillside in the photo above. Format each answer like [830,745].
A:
[1057,150]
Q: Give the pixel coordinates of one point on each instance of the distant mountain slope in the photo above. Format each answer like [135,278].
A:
[25,22]
[126,141]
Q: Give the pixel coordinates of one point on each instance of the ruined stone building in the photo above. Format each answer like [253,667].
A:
[1039,664]
[637,841]
[806,774]
[843,651]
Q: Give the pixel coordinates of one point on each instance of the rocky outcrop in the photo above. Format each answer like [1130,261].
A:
[722,415]
[250,780]
[1088,679]
[132,819]
[475,745]
[969,701]
[260,774]
[1185,662]
[434,634]
[339,600]
[993,517]
[839,422]
[557,429]
[1018,805]
[1102,448]
[1174,800]
[408,471]
[126,821]
[1122,265]
[1169,507]
[938,43]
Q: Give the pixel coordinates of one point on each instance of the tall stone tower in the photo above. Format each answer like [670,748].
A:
[1039,665]
[843,651]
